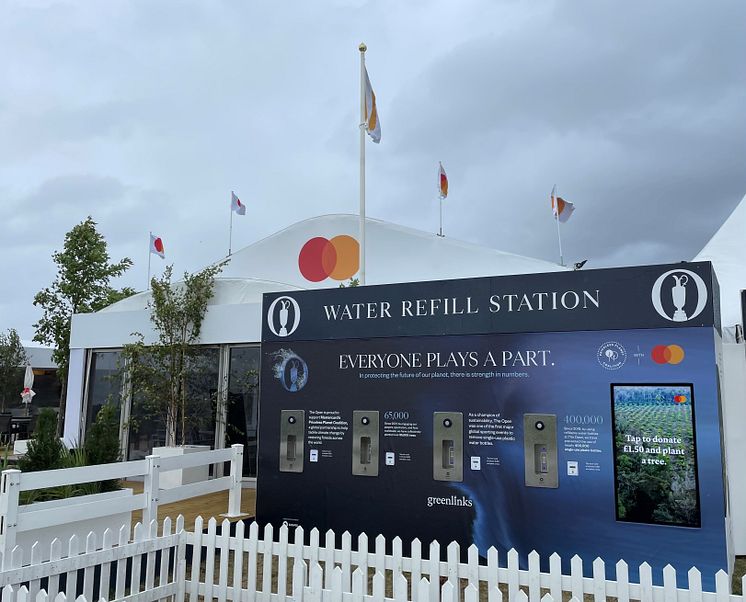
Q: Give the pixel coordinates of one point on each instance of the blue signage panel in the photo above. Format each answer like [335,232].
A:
[599,442]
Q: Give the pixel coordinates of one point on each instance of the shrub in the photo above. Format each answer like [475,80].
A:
[102,442]
[45,450]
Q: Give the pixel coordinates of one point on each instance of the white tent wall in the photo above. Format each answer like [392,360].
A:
[734,419]
[236,323]
[74,397]
[727,252]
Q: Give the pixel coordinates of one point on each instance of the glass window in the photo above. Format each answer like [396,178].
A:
[11,398]
[48,390]
[202,397]
[243,396]
[147,425]
[47,387]
[104,383]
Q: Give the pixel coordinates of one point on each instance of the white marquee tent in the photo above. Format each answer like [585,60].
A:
[727,252]
[394,254]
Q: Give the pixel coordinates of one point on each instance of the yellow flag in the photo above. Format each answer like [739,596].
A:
[371,112]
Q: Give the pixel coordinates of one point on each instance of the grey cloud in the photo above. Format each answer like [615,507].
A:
[145,115]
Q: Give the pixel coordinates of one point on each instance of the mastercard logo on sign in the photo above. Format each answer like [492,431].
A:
[679,398]
[337,258]
[667,354]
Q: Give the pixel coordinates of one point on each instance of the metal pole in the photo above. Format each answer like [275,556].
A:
[150,254]
[555,211]
[363,127]
[230,235]
[440,232]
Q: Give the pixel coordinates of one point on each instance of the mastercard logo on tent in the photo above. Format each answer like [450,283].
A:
[667,354]
[337,258]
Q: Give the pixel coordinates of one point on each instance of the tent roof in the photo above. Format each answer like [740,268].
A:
[727,252]
[393,254]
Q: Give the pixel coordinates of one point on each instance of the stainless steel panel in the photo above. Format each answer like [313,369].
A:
[540,450]
[448,446]
[365,443]
[292,438]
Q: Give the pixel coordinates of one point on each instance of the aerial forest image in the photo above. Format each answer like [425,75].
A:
[655,454]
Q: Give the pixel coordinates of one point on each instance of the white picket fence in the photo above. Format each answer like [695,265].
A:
[16,519]
[143,568]
[258,569]
[217,566]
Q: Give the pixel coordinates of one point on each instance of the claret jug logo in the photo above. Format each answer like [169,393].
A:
[283,316]
[679,295]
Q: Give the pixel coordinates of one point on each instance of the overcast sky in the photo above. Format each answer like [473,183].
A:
[145,114]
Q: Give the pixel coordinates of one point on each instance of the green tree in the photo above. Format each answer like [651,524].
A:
[82,285]
[163,374]
[12,359]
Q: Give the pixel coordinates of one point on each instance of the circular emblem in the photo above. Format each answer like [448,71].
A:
[283,316]
[336,258]
[292,372]
[679,295]
[611,355]
[668,354]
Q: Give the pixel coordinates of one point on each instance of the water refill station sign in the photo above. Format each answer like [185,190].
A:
[573,412]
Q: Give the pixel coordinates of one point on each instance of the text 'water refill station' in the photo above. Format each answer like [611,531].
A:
[571,412]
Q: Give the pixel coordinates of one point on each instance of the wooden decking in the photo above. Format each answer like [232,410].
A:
[206,506]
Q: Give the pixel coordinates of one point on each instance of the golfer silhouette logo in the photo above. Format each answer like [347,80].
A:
[611,355]
[290,369]
[285,313]
[679,295]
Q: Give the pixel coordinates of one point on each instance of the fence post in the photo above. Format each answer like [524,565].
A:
[151,490]
[234,494]
[10,489]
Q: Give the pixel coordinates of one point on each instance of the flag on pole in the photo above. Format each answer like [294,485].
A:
[442,182]
[236,205]
[372,125]
[561,209]
[156,246]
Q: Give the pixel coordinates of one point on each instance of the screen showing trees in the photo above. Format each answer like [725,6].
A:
[655,459]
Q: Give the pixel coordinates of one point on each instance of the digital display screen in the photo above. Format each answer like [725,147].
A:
[655,456]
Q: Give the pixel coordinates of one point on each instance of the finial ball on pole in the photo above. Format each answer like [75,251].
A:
[362,47]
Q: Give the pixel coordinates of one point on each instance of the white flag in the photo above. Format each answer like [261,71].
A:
[236,205]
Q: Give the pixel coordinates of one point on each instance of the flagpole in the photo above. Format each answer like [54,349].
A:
[555,207]
[362,48]
[230,233]
[150,238]
[440,232]
[559,240]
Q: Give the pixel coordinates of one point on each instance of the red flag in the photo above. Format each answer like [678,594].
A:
[156,246]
